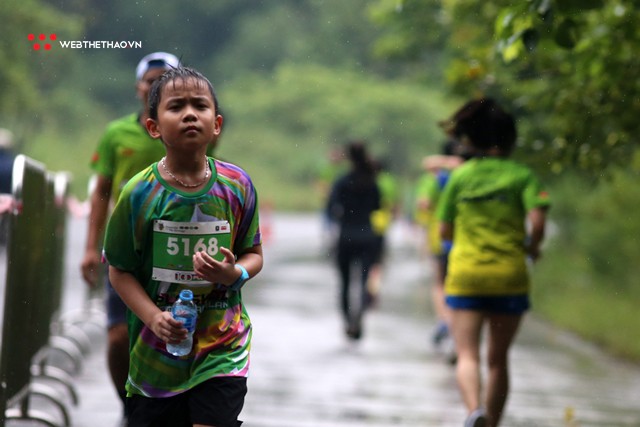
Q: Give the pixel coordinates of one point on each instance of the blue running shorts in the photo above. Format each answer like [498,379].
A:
[508,304]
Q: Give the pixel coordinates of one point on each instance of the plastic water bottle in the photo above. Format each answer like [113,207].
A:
[185,311]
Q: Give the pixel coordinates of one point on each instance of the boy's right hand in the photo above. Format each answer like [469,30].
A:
[168,329]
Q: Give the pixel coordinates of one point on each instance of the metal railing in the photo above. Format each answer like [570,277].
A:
[31,328]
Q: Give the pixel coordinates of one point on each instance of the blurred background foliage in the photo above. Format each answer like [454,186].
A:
[297,78]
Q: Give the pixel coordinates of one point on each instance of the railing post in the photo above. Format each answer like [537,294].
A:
[34,281]
[25,259]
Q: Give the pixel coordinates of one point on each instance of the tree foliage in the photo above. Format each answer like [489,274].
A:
[293,117]
[26,73]
[566,67]
[584,51]
[299,74]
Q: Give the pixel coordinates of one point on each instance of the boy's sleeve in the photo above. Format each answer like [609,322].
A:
[249,227]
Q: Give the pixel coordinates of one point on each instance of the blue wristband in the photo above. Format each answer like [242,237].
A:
[244,276]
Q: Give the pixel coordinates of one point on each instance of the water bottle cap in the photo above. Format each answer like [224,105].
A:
[186,295]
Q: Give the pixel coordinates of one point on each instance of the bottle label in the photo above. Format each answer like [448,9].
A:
[187,318]
[175,243]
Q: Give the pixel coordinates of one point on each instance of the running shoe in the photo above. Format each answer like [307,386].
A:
[354,329]
[477,418]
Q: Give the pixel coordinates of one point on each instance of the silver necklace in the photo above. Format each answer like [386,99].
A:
[184,184]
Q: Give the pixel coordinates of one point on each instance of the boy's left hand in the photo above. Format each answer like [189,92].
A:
[214,271]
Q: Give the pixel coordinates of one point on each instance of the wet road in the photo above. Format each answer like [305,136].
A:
[306,374]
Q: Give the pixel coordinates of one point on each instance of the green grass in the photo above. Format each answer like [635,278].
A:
[586,281]
[607,319]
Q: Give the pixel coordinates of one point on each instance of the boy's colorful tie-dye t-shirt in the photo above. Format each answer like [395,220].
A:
[223,331]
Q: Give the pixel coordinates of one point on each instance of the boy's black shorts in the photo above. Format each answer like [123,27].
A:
[216,402]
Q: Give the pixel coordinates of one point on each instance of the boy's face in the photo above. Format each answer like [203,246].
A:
[144,84]
[186,115]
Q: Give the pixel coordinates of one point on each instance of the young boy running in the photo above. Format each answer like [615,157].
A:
[187,221]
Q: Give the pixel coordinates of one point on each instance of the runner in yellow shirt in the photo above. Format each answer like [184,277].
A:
[483,209]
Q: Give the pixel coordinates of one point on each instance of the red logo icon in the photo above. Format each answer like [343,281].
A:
[40,41]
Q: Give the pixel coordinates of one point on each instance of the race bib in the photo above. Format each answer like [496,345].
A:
[174,244]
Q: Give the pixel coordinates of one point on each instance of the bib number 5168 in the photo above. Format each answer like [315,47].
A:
[174,244]
[182,246]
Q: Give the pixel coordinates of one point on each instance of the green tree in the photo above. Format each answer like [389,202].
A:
[567,66]
[330,32]
[414,31]
[297,73]
[27,74]
[296,115]
[584,53]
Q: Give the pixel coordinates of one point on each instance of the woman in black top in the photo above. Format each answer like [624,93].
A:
[353,198]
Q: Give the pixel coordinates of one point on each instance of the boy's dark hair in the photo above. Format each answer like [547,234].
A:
[178,73]
[486,125]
